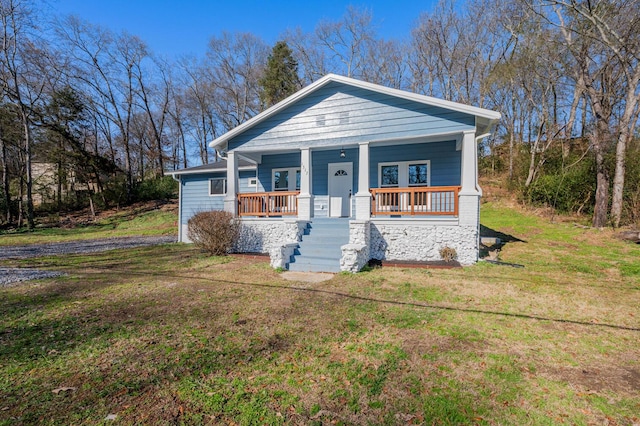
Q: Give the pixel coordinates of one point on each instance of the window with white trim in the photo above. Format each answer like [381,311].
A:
[402,174]
[217,186]
[286,179]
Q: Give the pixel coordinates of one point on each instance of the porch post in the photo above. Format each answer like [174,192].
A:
[231,199]
[363,196]
[469,196]
[469,166]
[305,199]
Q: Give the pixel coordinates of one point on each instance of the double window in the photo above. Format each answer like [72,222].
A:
[286,179]
[403,174]
[217,186]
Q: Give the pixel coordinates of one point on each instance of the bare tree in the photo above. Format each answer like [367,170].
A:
[27,70]
[348,40]
[105,68]
[236,63]
[197,101]
[603,39]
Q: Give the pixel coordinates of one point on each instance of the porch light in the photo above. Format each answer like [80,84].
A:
[342,153]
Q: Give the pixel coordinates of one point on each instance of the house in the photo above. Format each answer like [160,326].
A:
[47,183]
[345,171]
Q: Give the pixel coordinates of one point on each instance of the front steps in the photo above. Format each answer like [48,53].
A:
[320,249]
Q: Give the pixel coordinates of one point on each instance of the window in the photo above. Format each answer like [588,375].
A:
[418,175]
[389,175]
[253,182]
[281,181]
[404,173]
[217,186]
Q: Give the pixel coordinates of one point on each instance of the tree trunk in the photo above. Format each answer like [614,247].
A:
[624,135]
[5,179]
[59,188]
[568,132]
[602,176]
[29,171]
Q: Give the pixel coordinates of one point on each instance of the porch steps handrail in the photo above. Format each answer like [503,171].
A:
[276,203]
[416,200]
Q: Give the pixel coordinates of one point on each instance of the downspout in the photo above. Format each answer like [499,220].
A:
[179,180]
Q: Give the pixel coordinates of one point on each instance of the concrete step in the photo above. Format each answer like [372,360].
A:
[325,240]
[320,249]
[315,265]
[309,251]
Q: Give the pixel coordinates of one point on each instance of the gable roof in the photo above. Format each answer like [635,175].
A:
[218,166]
[487,116]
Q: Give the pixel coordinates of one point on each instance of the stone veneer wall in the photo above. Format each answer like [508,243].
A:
[261,235]
[355,255]
[405,240]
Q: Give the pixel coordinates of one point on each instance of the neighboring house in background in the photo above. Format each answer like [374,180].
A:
[45,183]
[346,171]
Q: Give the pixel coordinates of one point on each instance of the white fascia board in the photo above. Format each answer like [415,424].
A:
[490,115]
[202,172]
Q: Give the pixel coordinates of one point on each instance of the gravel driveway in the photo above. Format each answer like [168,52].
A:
[12,275]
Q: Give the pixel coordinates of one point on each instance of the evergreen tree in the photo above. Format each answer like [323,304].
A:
[280,77]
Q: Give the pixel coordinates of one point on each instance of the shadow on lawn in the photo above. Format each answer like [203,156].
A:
[486,232]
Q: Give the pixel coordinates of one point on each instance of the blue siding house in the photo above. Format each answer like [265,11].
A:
[345,171]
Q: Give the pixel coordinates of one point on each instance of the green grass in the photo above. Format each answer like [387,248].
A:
[124,224]
[168,335]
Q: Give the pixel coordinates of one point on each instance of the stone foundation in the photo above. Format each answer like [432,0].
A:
[280,255]
[422,242]
[261,235]
[355,255]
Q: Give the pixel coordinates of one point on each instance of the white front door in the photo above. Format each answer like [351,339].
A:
[340,187]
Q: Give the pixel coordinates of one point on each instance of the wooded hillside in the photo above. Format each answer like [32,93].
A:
[107,116]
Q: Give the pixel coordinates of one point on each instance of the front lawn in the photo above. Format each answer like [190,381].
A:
[165,335]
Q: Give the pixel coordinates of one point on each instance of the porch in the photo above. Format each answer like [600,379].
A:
[410,201]
[418,178]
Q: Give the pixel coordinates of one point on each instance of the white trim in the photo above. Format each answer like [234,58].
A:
[403,173]
[203,172]
[427,100]
[224,185]
[436,137]
[425,221]
[179,209]
[291,183]
[252,182]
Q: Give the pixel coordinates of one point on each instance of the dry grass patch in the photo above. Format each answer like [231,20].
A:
[165,335]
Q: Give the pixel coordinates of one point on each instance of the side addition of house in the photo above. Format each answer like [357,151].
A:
[346,171]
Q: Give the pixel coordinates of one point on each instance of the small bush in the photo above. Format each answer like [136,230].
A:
[215,231]
[448,254]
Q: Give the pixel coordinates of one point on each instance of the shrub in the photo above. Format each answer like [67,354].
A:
[571,191]
[164,188]
[448,254]
[215,231]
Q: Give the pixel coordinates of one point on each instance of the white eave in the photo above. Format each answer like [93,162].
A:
[490,116]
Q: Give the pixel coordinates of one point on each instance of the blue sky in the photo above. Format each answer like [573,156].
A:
[174,28]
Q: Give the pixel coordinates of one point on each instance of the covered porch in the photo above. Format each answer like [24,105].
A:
[362,181]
